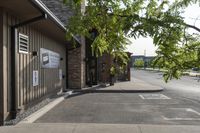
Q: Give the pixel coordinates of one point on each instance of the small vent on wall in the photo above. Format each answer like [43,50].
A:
[23,43]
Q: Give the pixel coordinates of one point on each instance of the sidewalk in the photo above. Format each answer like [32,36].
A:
[134,86]
[98,128]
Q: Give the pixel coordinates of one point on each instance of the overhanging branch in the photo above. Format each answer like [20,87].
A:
[193,27]
[161,23]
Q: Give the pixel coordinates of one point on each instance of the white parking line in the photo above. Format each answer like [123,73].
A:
[153,96]
[180,119]
[189,110]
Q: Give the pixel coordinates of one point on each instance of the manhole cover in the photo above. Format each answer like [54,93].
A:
[175,114]
[154,96]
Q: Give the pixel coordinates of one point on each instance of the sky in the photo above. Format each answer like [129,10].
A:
[145,46]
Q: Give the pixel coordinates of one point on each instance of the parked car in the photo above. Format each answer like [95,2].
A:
[196,69]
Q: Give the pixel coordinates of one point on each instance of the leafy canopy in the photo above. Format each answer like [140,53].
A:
[116,20]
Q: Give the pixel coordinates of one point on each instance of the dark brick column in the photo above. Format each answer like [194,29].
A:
[76,67]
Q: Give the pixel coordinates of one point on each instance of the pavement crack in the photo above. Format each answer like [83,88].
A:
[191,99]
[74,129]
[140,129]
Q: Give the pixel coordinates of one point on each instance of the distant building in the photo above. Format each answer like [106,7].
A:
[146,59]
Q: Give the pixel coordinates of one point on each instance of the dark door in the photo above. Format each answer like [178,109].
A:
[91,65]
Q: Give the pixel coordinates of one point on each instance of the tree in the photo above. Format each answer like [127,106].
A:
[139,63]
[116,20]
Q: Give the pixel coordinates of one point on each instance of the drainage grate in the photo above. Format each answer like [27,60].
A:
[181,114]
[154,96]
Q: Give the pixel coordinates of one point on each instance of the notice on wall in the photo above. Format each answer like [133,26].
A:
[49,59]
[60,74]
[35,78]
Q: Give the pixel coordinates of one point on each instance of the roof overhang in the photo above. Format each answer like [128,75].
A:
[43,9]
[28,9]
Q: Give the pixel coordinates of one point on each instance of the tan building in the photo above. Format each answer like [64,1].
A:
[35,60]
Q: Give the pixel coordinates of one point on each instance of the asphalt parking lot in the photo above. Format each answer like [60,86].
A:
[125,108]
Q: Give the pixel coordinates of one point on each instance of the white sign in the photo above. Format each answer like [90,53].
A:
[49,59]
[35,78]
[60,74]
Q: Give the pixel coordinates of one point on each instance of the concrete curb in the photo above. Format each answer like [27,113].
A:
[117,91]
[100,128]
[100,89]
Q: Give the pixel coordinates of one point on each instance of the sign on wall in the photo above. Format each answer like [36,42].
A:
[49,59]
[35,78]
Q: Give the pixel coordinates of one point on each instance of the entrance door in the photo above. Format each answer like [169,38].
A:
[91,65]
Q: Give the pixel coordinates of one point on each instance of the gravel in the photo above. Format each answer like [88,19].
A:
[28,112]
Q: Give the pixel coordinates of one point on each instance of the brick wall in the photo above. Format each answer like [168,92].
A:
[76,66]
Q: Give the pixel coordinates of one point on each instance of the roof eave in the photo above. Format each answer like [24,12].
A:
[44,9]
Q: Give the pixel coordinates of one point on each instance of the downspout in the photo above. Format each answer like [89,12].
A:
[14,62]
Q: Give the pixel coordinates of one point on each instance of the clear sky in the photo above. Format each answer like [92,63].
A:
[139,46]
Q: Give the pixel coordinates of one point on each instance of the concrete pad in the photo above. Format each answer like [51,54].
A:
[106,128]
[169,129]
[135,85]
[98,128]
[39,128]
[71,128]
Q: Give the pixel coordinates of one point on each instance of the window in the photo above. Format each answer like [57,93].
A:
[23,43]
